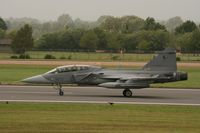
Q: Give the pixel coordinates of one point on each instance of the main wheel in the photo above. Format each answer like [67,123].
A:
[127,93]
[61,93]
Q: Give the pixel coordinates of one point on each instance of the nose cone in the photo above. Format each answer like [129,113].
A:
[36,79]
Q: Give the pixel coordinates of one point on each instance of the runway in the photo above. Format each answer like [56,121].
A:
[99,95]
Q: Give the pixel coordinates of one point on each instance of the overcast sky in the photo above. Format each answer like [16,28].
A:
[92,9]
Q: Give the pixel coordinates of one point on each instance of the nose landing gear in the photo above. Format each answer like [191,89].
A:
[59,88]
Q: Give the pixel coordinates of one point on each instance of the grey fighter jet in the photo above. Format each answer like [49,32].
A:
[161,69]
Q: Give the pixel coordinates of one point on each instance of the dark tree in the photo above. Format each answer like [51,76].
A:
[114,40]
[153,40]
[23,40]
[188,26]
[112,24]
[2,33]
[89,40]
[68,40]
[195,41]
[3,25]
[129,42]
[47,41]
[151,24]
[102,41]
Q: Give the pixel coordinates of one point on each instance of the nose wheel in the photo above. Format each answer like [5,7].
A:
[127,93]
[59,88]
[61,92]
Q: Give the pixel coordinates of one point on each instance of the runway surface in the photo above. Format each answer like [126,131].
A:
[99,95]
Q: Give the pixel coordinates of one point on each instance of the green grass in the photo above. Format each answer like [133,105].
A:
[12,74]
[92,56]
[98,118]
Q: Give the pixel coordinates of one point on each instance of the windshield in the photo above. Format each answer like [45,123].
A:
[68,69]
[52,71]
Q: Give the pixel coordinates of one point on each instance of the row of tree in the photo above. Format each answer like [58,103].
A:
[116,33]
[112,33]
[103,40]
[109,33]
[126,24]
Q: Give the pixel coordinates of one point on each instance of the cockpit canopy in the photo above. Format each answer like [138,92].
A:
[72,68]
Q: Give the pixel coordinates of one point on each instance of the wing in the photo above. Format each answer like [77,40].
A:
[86,77]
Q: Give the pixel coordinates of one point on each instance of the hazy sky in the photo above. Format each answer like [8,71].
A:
[92,9]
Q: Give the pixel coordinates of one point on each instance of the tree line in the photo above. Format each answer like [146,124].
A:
[127,33]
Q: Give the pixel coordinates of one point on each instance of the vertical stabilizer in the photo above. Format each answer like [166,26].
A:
[164,61]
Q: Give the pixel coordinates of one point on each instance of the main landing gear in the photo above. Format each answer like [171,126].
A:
[127,93]
[59,88]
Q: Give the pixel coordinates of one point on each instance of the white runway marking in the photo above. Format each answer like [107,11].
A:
[28,92]
[99,102]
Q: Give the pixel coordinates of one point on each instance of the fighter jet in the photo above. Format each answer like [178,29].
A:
[161,69]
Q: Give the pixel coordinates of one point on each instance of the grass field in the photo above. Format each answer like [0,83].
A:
[98,118]
[92,56]
[82,56]
[12,74]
